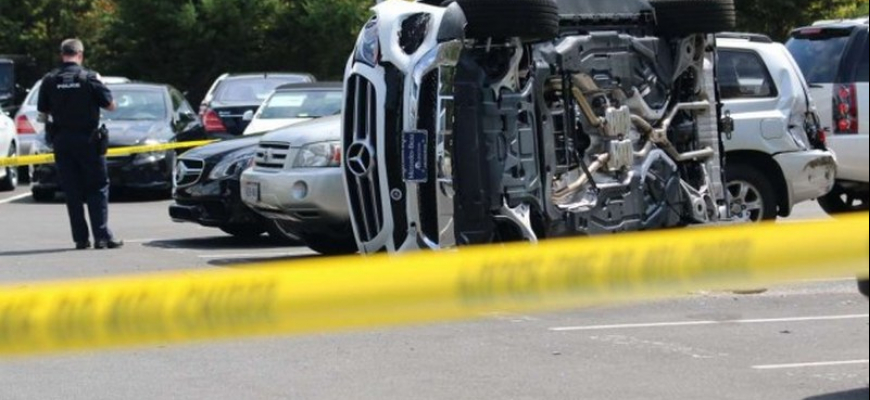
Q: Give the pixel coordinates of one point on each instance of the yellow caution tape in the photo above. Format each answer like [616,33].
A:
[330,295]
[113,152]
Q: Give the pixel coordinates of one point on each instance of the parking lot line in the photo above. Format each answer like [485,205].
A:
[810,365]
[707,323]
[15,198]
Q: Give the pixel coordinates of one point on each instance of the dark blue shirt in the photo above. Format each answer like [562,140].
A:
[73,97]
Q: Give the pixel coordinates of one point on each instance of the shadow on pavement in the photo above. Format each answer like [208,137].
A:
[270,262]
[28,253]
[117,196]
[221,243]
[858,394]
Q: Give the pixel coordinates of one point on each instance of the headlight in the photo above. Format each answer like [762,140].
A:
[232,165]
[319,155]
[150,157]
[367,45]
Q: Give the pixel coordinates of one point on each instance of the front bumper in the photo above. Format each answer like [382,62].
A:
[212,204]
[147,172]
[306,200]
[808,174]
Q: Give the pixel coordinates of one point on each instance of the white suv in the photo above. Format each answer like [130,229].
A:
[776,157]
[833,56]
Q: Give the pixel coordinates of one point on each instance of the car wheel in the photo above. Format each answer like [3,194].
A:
[864,287]
[10,180]
[531,20]
[243,231]
[42,195]
[687,17]
[25,174]
[841,201]
[332,246]
[752,194]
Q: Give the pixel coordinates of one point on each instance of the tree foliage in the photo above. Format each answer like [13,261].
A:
[188,43]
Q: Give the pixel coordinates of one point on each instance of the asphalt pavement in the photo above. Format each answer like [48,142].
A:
[802,341]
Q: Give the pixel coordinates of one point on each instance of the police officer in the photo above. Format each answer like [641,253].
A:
[72,96]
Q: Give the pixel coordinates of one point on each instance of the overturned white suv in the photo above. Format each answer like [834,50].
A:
[479,121]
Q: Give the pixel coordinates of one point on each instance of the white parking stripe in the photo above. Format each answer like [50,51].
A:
[705,323]
[810,365]
[15,198]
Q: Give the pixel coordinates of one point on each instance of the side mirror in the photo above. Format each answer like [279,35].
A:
[248,116]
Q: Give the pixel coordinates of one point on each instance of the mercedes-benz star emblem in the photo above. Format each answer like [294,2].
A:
[180,172]
[360,159]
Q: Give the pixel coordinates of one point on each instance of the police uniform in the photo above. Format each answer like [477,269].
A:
[73,96]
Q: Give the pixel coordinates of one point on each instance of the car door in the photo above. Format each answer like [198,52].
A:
[752,97]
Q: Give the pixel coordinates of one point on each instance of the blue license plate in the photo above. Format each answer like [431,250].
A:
[415,160]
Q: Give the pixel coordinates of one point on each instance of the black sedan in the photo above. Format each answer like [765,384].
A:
[207,190]
[147,114]
[234,98]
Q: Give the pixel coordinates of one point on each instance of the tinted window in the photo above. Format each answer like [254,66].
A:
[743,75]
[253,90]
[303,104]
[7,77]
[818,53]
[34,95]
[138,105]
[863,65]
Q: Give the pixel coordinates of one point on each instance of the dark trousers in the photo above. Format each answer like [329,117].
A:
[84,179]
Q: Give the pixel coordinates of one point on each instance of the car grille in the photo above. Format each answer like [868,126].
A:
[361,161]
[188,172]
[272,155]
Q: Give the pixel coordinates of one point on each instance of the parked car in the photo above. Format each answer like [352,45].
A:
[147,114]
[479,123]
[207,190]
[294,103]
[233,95]
[28,126]
[776,157]
[296,180]
[8,148]
[835,59]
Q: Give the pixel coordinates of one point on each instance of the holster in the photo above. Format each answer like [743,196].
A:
[100,137]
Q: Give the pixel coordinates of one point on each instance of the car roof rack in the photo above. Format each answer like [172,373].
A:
[752,37]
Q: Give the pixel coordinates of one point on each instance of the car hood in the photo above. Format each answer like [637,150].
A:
[319,130]
[222,148]
[130,133]
[268,125]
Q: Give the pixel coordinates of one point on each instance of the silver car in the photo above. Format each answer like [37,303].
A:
[296,180]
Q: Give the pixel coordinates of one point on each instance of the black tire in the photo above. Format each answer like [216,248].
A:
[243,231]
[331,246]
[10,180]
[25,174]
[42,195]
[530,20]
[864,287]
[678,18]
[843,201]
[760,201]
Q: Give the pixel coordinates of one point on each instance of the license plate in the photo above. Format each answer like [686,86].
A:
[251,191]
[415,158]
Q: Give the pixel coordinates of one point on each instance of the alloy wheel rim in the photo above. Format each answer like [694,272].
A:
[748,197]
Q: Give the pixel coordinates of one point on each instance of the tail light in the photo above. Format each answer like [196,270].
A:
[213,122]
[23,126]
[846,110]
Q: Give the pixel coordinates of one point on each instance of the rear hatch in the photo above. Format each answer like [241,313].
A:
[237,96]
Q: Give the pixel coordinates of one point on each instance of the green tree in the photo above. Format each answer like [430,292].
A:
[778,17]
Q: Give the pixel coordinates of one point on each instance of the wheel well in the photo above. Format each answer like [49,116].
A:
[766,164]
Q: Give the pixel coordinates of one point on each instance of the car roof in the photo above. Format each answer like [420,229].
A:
[836,24]
[139,85]
[266,75]
[303,86]
[751,37]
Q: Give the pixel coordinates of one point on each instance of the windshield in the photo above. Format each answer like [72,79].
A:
[138,105]
[818,55]
[303,104]
[253,90]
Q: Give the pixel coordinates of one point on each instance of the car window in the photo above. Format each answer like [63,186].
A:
[743,75]
[138,105]
[303,104]
[33,99]
[818,52]
[251,90]
[863,67]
